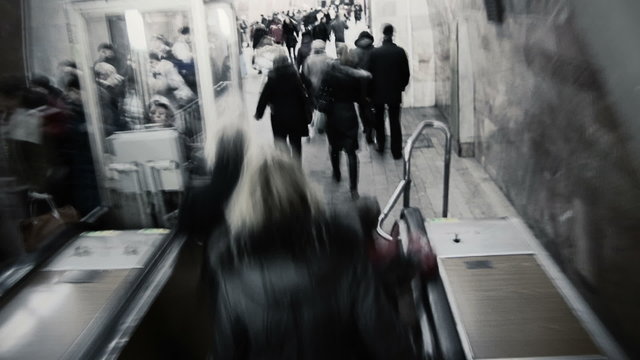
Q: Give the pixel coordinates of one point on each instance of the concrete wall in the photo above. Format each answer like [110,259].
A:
[551,97]
[414,34]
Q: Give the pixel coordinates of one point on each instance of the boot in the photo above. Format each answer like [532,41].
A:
[335,165]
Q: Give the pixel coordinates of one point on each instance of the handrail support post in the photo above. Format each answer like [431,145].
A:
[405,185]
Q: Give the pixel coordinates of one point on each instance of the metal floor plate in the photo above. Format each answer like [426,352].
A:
[509,308]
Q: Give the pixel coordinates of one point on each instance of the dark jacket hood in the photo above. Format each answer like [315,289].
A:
[283,71]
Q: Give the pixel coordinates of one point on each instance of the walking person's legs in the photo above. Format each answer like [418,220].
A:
[396,130]
[352,158]
[292,52]
[366,118]
[334,155]
[280,139]
[296,147]
[379,125]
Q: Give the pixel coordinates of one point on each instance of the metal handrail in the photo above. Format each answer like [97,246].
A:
[404,187]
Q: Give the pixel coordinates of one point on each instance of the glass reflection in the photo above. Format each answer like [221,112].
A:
[116,119]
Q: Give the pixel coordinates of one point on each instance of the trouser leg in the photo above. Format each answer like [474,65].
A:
[366,117]
[364,110]
[335,163]
[296,147]
[395,129]
[352,157]
[280,140]
[379,126]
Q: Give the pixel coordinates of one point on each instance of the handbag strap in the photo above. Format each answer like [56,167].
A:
[302,87]
[34,196]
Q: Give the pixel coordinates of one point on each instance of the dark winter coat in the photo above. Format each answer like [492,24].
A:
[82,171]
[286,98]
[364,45]
[321,32]
[258,33]
[345,86]
[289,32]
[322,305]
[389,67]
[305,49]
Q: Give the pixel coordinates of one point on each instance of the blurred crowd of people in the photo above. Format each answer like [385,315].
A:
[45,140]
[170,79]
[45,135]
[309,87]
[285,276]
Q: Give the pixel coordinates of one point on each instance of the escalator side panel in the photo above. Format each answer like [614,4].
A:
[441,322]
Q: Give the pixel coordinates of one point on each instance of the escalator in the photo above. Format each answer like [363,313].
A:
[121,283]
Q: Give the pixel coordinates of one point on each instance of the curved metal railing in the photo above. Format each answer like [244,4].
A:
[188,120]
[404,187]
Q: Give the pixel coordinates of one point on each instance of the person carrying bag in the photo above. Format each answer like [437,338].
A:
[324,103]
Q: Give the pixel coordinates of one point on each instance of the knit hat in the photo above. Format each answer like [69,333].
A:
[318,45]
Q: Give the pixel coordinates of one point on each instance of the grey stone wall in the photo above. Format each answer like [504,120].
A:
[555,103]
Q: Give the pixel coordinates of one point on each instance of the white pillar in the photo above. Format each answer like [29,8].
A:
[414,34]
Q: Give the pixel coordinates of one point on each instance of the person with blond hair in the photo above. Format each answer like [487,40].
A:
[293,282]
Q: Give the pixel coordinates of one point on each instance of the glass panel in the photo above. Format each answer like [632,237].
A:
[144,76]
[224,50]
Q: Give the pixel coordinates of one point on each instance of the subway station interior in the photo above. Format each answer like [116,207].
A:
[152,208]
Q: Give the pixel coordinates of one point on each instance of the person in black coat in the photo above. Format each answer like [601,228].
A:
[213,194]
[305,49]
[258,33]
[389,67]
[321,31]
[338,26]
[364,46]
[82,174]
[345,85]
[286,97]
[290,33]
[179,322]
[294,282]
